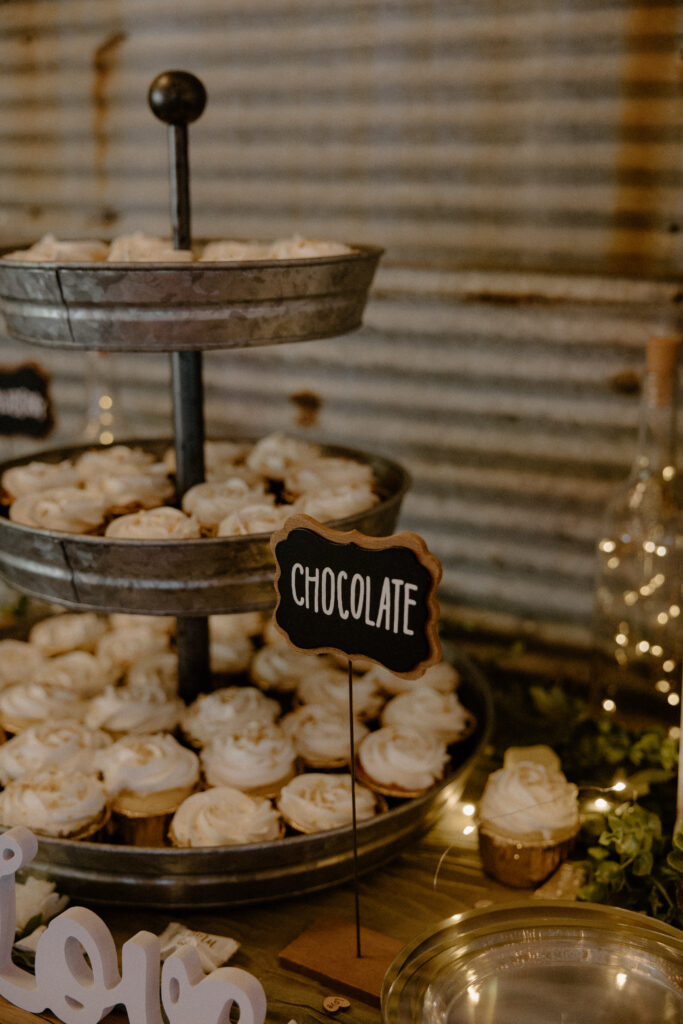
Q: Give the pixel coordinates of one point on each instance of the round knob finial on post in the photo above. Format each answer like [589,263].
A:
[177,97]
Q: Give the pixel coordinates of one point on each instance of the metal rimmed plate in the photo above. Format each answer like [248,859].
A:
[164,307]
[215,876]
[191,577]
[539,963]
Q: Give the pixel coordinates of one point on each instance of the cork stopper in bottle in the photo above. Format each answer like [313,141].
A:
[661,359]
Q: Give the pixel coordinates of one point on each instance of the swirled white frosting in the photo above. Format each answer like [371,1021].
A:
[224,816]
[442,677]
[280,668]
[275,454]
[141,248]
[330,686]
[209,503]
[61,509]
[55,802]
[402,758]
[51,249]
[258,518]
[79,671]
[316,802]
[134,490]
[230,656]
[258,755]
[321,734]
[144,764]
[438,714]
[158,671]
[19,660]
[225,711]
[163,523]
[133,709]
[70,745]
[119,460]
[38,476]
[224,628]
[529,800]
[68,632]
[27,704]
[336,503]
[123,647]
[327,472]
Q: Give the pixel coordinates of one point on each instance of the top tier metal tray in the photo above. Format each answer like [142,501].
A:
[164,307]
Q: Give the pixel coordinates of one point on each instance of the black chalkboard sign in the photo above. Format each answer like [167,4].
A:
[25,406]
[364,597]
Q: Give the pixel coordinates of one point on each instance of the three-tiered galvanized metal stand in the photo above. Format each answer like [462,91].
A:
[185,308]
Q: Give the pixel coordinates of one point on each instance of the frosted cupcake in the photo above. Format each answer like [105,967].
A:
[155,671]
[27,704]
[209,503]
[438,714]
[59,803]
[442,677]
[336,503]
[83,673]
[258,518]
[317,802]
[225,628]
[50,249]
[276,455]
[37,476]
[19,661]
[259,760]
[61,510]
[222,459]
[324,473]
[147,777]
[130,492]
[164,523]
[320,735]
[528,819]
[224,816]
[68,745]
[230,657]
[400,762]
[330,686]
[140,248]
[71,631]
[118,460]
[226,711]
[280,668]
[124,646]
[133,709]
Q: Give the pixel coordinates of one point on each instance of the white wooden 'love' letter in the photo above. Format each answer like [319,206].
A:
[83,991]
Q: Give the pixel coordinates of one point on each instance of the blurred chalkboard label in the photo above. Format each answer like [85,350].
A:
[363,597]
[25,405]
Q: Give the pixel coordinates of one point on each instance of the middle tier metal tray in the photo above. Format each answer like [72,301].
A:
[188,578]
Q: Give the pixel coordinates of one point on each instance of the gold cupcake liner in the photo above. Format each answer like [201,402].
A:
[95,831]
[385,789]
[518,864]
[143,820]
[380,807]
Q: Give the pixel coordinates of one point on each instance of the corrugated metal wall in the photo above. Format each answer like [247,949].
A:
[522,165]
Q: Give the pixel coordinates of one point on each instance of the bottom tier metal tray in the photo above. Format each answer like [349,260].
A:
[219,876]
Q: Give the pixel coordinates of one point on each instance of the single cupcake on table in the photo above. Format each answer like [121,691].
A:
[61,803]
[27,704]
[528,819]
[438,714]
[226,711]
[259,759]
[71,631]
[223,816]
[146,777]
[321,735]
[400,762]
[318,802]
[68,745]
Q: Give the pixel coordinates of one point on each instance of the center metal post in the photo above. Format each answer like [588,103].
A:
[178,98]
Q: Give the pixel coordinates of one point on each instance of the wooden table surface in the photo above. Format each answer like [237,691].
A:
[402,899]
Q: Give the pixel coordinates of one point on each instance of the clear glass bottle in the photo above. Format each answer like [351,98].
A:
[639,588]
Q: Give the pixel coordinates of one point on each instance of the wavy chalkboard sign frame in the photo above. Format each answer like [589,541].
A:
[362,597]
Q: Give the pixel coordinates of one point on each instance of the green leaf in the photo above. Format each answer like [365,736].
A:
[610,873]
[643,863]
[597,852]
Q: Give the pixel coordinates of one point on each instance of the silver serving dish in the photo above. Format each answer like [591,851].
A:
[189,578]
[163,307]
[215,876]
[539,962]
